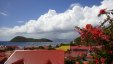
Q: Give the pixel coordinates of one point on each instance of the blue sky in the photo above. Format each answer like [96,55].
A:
[52,19]
[18,12]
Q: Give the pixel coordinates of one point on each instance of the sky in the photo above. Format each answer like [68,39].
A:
[52,19]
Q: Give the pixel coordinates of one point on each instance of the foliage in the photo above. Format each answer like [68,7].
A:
[99,35]
[41,47]
[50,47]
[77,41]
[91,34]
[63,44]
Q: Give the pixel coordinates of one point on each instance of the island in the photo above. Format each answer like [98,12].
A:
[24,39]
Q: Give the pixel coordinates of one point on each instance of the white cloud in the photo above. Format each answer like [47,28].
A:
[3,13]
[60,25]
[74,4]
[20,21]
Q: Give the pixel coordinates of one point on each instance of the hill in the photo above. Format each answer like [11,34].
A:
[24,39]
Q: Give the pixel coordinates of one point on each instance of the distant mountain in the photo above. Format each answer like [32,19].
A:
[24,39]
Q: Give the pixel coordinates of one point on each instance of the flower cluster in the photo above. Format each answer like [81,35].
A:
[102,11]
[90,32]
[101,36]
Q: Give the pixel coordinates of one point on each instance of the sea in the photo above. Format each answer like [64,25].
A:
[27,44]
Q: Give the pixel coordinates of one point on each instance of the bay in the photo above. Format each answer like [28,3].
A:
[25,44]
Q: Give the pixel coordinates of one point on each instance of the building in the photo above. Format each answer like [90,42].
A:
[36,57]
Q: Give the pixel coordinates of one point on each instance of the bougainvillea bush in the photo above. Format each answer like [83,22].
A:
[91,34]
[99,36]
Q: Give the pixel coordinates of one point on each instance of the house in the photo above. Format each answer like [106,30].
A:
[36,57]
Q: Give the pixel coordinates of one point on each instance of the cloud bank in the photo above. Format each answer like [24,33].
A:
[55,25]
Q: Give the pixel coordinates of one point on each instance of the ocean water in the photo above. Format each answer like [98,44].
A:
[24,44]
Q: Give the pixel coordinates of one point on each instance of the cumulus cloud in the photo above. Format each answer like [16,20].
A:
[60,25]
[74,4]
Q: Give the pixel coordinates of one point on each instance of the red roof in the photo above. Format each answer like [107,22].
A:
[75,54]
[84,48]
[2,54]
[2,59]
[79,50]
[21,61]
[80,47]
[37,57]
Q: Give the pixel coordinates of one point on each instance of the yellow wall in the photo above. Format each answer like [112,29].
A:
[65,48]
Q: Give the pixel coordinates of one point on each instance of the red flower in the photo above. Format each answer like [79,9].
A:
[102,11]
[102,60]
[89,26]
[105,37]
[97,61]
